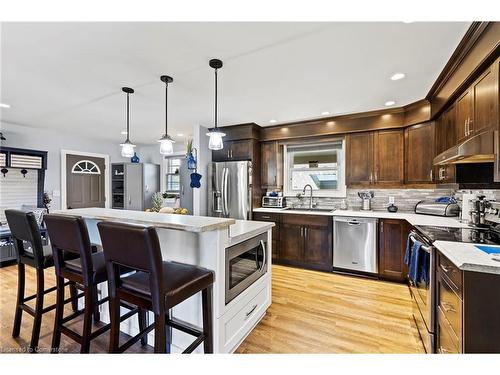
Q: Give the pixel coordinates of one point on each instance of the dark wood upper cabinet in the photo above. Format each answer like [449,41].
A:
[393,235]
[419,153]
[464,115]
[485,102]
[271,165]
[359,160]
[375,158]
[446,136]
[389,157]
[235,151]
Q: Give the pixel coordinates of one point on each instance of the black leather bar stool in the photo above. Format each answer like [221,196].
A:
[31,252]
[69,234]
[157,285]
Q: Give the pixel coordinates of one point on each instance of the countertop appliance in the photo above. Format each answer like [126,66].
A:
[273,202]
[437,208]
[424,295]
[478,211]
[355,244]
[230,189]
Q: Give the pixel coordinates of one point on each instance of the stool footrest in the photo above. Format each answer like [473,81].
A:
[136,338]
[184,326]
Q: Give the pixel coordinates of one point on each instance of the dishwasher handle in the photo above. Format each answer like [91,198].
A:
[353,222]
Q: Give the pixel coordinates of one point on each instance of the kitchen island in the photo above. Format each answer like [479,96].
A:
[206,242]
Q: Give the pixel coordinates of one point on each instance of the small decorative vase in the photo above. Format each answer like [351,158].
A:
[135,158]
[191,161]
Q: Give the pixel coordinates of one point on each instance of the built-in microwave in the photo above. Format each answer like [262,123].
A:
[245,263]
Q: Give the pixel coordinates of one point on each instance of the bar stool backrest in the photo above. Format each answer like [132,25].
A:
[69,234]
[24,227]
[136,247]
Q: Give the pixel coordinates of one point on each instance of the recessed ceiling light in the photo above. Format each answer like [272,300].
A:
[325,113]
[273,121]
[3,105]
[124,133]
[180,135]
[390,102]
[398,76]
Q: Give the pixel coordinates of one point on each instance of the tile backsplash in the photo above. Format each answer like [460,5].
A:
[405,199]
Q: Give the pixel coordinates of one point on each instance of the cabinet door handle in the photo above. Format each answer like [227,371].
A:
[305,231]
[251,311]
[381,227]
[275,181]
[465,127]
[301,231]
[371,176]
[376,176]
[266,217]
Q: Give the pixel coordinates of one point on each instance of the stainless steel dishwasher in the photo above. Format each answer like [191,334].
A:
[355,244]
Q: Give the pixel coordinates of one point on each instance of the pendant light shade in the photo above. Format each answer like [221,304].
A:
[127,146]
[215,142]
[166,142]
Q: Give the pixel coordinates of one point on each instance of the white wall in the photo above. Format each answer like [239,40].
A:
[200,196]
[53,141]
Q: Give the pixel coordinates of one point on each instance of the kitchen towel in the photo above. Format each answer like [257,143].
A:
[418,262]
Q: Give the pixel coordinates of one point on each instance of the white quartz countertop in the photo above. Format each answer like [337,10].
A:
[467,257]
[412,218]
[186,223]
[244,229]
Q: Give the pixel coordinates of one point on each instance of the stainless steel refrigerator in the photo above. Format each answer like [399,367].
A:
[230,189]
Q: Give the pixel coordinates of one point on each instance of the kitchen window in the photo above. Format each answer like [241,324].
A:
[172,167]
[321,165]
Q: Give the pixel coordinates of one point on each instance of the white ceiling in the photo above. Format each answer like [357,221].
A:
[68,76]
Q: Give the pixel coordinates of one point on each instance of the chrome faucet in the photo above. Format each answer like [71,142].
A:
[310,195]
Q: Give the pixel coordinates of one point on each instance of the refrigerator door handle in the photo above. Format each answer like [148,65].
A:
[224,191]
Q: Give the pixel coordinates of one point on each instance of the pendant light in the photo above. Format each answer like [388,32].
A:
[215,141]
[166,142]
[127,146]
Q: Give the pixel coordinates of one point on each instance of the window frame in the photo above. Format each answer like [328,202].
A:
[167,166]
[340,192]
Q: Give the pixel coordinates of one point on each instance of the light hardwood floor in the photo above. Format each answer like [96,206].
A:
[312,312]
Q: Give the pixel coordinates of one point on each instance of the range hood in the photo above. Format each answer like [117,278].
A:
[478,149]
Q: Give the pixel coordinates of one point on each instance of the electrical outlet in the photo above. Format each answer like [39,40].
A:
[391,200]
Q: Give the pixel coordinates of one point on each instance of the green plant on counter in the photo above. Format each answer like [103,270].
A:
[157,202]
[189,147]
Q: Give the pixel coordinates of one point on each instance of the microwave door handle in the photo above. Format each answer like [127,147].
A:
[264,256]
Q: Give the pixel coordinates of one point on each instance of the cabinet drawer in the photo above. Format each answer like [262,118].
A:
[450,305]
[310,220]
[447,268]
[264,216]
[447,342]
[237,324]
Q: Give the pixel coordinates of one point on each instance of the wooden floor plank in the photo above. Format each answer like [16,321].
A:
[312,312]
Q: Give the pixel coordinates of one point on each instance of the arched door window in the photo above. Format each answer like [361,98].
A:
[85,167]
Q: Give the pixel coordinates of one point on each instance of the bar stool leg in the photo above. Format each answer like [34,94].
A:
[114,317]
[160,333]
[143,323]
[73,293]
[168,334]
[37,323]
[56,336]
[206,297]
[97,315]
[20,299]
[87,319]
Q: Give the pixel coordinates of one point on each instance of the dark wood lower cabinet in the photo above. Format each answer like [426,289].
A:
[393,235]
[301,240]
[467,310]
